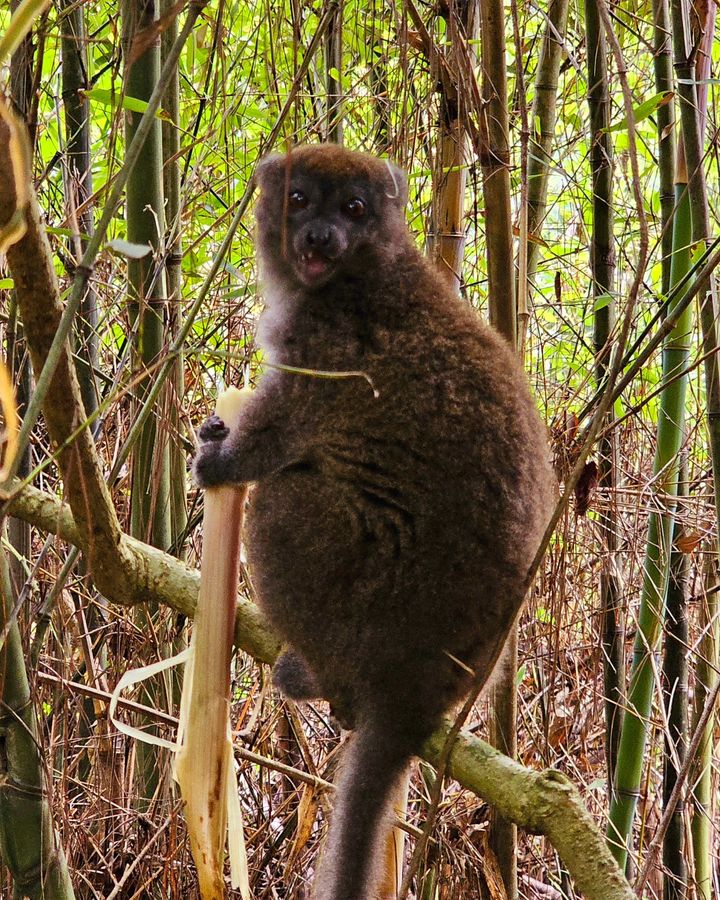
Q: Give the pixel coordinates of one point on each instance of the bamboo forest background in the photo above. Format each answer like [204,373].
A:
[569,189]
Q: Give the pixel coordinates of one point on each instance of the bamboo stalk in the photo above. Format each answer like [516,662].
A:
[704,801]
[28,845]
[675,692]
[693,71]
[670,428]
[145,205]
[665,116]
[503,315]
[602,261]
[79,185]
[496,171]
[145,216]
[333,74]
[542,125]
[171,146]
[203,767]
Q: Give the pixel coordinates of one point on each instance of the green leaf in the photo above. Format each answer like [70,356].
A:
[115,100]
[645,109]
[544,616]
[61,232]
[6,284]
[602,301]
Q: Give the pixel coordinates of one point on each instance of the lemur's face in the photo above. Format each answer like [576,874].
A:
[325,212]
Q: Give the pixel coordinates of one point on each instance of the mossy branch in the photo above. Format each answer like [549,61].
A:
[540,802]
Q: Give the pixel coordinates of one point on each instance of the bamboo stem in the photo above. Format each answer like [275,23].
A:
[602,261]
[670,432]
[706,680]
[675,692]
[204,764]
[503,315]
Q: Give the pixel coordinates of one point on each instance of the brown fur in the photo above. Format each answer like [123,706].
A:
[391,530]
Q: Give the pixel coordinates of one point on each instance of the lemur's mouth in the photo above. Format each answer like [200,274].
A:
[313,267]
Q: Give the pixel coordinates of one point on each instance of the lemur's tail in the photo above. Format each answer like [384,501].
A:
[351,860]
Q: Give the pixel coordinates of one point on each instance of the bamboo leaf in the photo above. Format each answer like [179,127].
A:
[645,109]
[688,541]
[119,101]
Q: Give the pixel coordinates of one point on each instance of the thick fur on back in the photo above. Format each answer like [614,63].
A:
[396,512]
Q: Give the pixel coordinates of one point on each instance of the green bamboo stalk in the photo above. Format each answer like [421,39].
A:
[173,269]
[670,430]
[542,125]
[172,190]
[496,172]
[706,677]
[601,156]
[665,117]
[693,70]
[333,75]
[28,845]
[693,73]
[602,262]
[503,315]
[79,185]
[675,694]
[145,213]
[150,518]
[446,235]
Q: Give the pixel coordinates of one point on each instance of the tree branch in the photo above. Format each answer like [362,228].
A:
[36,287]
[540,802]
[149,573]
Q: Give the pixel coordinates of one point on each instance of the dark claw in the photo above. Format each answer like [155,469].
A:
[213,429]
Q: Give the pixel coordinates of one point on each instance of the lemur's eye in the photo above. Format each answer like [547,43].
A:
[297,200]
[355,208]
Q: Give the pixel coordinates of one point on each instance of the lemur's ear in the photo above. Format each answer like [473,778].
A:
[270,167]
[398,188]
